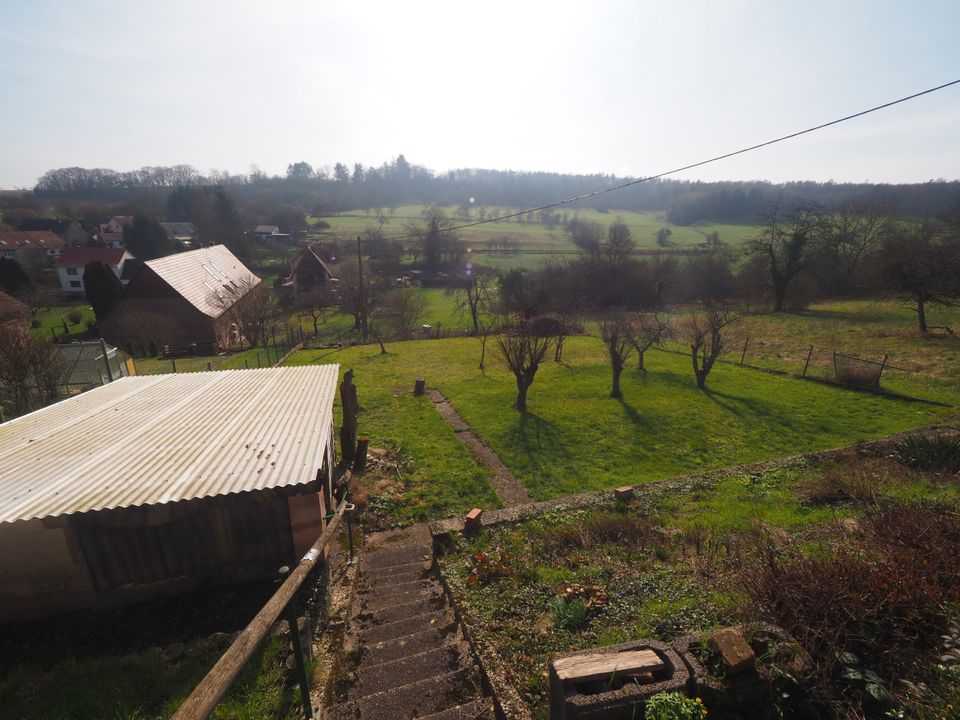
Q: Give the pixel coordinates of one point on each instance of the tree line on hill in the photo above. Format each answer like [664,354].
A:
[319,190]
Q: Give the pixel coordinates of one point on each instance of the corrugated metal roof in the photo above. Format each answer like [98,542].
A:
[210,279]
[162,438]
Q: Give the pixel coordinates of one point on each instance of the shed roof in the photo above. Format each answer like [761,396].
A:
[163,438]
[206,277]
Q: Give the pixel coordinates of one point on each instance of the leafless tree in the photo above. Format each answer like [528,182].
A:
[250,305]
[142,332]
[32,370]
[707,331]
[398,313]
[786,239]
[522,349]
[649,330]
[315,304]
[618,343]
[475,292]
[851,236]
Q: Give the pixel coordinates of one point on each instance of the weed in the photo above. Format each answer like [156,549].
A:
[570,615]
[939,454]
[674,706]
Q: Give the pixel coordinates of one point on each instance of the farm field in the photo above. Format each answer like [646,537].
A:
[533,242]
[729,547]
[576,438]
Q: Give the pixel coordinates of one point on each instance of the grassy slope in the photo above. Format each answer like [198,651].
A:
[576,438]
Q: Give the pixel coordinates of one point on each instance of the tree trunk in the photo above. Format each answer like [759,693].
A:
[640,367]
[558,355]
[615,390]
[779,296]
[522,388]
[483,350]
[383,350]
[356,321]
[922,314]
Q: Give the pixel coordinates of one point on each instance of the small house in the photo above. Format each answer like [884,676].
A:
[182,233]
[151,485]
[309,269]
[111,232]
[73,261]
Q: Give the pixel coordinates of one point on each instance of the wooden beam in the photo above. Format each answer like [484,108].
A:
[602,666]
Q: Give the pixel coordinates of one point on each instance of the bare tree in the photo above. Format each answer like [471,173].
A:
[399,313]
[706,330]
[475,292]
[315,303]
[618,343]
[32,370]
[786,238]
[649,330]
[251,307]
[851,236]
[522,349]
[142,332]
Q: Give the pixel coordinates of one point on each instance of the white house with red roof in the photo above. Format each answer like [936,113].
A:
[111,232]
[33,250]
[73,260]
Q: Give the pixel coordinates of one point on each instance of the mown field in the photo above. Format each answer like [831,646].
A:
[532,243]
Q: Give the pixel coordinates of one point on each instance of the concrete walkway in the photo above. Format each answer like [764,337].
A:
[510,490]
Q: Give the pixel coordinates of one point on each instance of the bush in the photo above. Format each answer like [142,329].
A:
[938,453]
[74,316]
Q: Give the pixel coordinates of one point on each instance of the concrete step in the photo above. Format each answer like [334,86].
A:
[417,623]
[396,556]
[424,602]
[481,709]
[388,597]
[394,573]
[414,700]
[409,669]
[405,645]
[400,587]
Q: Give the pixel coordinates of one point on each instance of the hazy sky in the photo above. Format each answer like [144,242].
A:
[629,87]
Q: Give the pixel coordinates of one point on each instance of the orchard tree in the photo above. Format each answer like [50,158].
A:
[522,349]
[618,343]
[707,331]
[649,330]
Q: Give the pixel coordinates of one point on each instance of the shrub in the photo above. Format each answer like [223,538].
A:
[74,316]
[939,453]
[673,706]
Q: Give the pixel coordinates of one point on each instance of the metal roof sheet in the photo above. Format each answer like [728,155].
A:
[162,438]
[210,278]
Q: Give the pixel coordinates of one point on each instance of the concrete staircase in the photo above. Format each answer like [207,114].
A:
[404,652]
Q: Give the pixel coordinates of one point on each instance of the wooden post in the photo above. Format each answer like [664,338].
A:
[363,304]
[744,353]
[173,361]
[882,366]
[419,386]
[209,365]
[106,359]
[245,365]
[360,459]
[348,431]
[835,373]
[258,359]
[807,363]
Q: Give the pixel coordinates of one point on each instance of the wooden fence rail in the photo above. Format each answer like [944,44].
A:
[214,686]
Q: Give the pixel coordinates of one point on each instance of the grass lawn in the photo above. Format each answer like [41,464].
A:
[576,438]
[225,361]
[52,320]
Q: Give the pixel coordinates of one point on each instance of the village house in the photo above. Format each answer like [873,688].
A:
[111,232]
[70,231]
[183,299]
[33,250]
[309,269]
[163,495]
[73,260]
[270,234]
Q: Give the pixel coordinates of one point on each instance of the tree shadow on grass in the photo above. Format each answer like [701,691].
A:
[751,409]
[642,422]
[538,437]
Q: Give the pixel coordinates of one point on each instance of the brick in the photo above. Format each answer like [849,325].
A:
[624,492]
[733,648]
[472,520]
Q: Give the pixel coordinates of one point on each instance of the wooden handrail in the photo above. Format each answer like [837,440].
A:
[215,684]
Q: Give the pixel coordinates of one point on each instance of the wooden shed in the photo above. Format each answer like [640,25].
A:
[152,484]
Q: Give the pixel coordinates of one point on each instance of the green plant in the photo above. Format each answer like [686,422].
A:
[74,316]
[871,683]
[487,567]
[931,454]
[570,615]
[674,706]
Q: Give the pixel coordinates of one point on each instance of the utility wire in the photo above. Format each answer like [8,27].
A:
[741,151]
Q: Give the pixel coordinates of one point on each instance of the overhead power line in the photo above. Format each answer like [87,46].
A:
[701,163]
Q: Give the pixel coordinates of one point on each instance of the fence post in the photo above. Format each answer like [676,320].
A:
[807,363]
[882,366]
[299,662]
[174,361]
[744,353]
[106,359]
[835,373]
[209,365]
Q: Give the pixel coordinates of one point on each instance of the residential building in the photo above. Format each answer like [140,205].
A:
[72,262]
[111,232]
[33,250]
[270,234]
[70,231]
[183,233]
[309,269]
